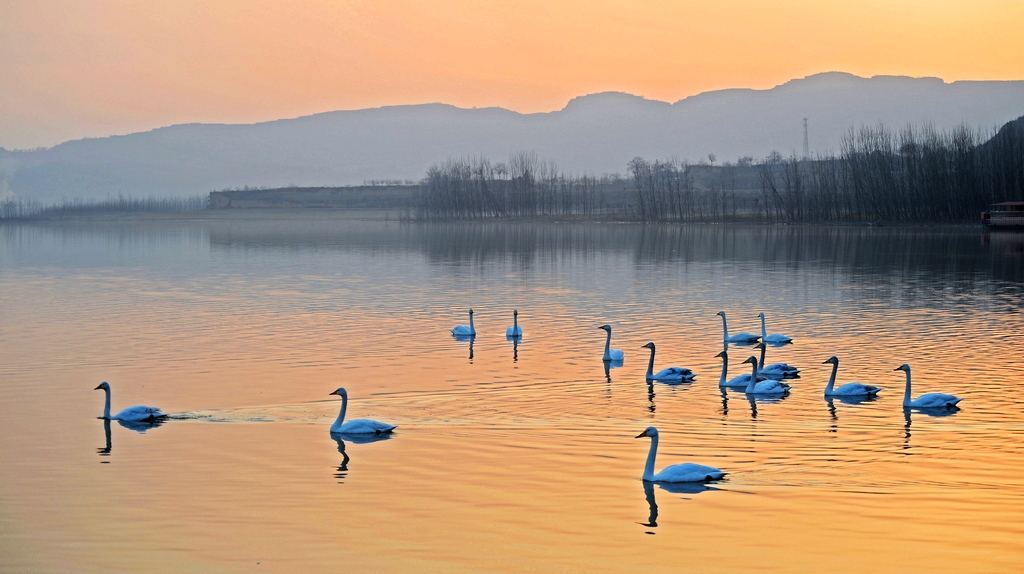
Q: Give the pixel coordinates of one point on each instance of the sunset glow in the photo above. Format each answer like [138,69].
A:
[75,69]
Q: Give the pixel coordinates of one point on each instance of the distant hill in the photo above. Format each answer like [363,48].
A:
[597,134]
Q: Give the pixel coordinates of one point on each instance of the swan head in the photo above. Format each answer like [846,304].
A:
[470,311]
[341,392]
[648,346]
[751,360]
[515,311]
[761,314]
[903,367]
[721,314]
[102,386]
[649,431]
[606,328]
[723,354]
[760,346]
[833,359]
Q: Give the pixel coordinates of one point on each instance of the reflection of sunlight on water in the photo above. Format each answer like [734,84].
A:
[528,442]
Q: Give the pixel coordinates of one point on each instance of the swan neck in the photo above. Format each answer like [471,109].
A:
[832,379]
[753,379]
[906,395]
[106,404]
[725,328]
[515,321]
[725,370]
[760,363]
[472,330]
[764,332]
[608,346]
[341,415]
[649,466]
[650,364]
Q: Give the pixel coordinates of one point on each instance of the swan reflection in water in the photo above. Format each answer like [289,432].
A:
[692,488]
[340,438]
[138,426]
[515,346]
[934,412]
[465,338]
[755,400]
[847,400]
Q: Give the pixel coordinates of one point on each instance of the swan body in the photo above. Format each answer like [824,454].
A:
[929,400]
[765,387]
[775,370]
[738,337]
[849,389]
[138,413]
[685,472]
[357,426]
[669,375]
[515,330]
[609,353]
[774,338]
[738,381]
[463,330]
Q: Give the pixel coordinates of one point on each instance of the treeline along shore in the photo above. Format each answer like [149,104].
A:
[879,175]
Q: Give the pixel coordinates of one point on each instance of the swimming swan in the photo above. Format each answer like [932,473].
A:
[515,330]
[609,353]
[138,413]
[775,338]
[464,331]
[775,370]
[738,337]
[738,381]
[358,426]
[669,375]
[849,389]
[766,387]
[929,400]
[685,472]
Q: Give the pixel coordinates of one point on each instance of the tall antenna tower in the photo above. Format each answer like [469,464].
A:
[807,149]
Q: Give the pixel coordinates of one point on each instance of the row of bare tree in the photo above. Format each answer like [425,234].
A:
[24,209]
[467,188]
[916,175]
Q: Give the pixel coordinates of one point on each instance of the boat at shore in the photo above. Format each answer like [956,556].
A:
[1004,215]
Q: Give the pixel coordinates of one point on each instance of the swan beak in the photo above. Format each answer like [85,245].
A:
[825,362]
[98,387]
[898,369]
[332,393]
[641,435]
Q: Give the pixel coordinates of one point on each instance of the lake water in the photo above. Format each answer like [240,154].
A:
[508,457]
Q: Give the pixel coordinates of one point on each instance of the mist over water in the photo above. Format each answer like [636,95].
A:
[510,455]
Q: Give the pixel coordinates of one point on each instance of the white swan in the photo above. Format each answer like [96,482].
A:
[138,413]
[685,472]
[766,387]
[849,389]
[929,400]
[464,331]
[669,375]
[775,370]
[775,338]
[610,354]
[515,330]
[358,426]
[738,381]
[738,337]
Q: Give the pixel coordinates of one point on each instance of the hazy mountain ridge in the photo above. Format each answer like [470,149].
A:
[597,133]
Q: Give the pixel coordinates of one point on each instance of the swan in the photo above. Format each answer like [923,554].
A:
[464,331]
[775,338]
[929,400]
[669,375]
[358,426]
[138,413]
[515,330]
[775,370]
[609,353]
[766,387]
[685,472]
[738,381]
[849,389]
[738,337]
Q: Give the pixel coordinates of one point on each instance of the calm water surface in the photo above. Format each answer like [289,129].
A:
[508,457]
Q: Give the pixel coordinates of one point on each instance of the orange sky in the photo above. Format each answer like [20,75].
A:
[75,68]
